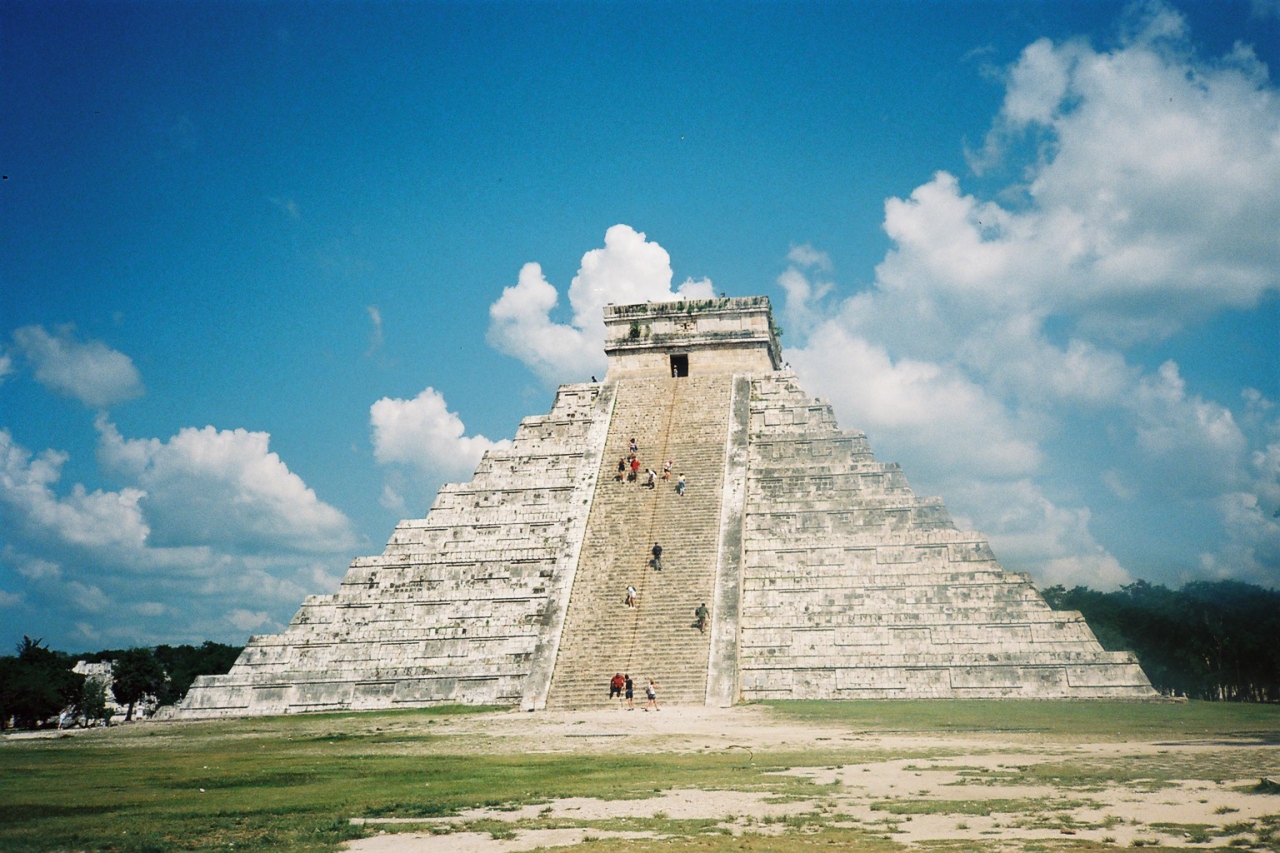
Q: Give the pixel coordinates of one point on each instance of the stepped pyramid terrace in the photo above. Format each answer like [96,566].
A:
[826,577]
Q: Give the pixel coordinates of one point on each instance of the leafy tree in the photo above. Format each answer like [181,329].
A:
[136,674]
[1055,596]
[92,705]
[1208,640]
[184,663]
[9,674]
[36,684]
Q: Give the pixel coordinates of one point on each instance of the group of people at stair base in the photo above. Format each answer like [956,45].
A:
[620,684]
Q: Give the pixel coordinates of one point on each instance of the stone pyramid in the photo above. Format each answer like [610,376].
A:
[826,577]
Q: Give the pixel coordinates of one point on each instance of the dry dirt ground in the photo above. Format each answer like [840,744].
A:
[989,788]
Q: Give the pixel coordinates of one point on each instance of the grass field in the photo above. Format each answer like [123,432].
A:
[294,783]
[1094,721]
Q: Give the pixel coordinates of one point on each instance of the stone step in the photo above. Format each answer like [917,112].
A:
[656,640]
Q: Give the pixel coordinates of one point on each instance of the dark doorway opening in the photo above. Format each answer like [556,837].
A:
[679,365]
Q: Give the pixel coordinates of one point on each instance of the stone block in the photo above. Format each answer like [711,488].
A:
[972,552]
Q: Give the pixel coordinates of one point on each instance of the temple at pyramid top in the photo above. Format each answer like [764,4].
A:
[692,337]
[697,520]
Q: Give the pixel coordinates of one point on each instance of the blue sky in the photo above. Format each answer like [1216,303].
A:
[272,272]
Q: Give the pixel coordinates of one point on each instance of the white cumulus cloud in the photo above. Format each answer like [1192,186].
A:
[1027,528]
[247,620]
[999,331]
[422,433]
[90,371]
[205,523]
[628,269]
[1194,445]
[97,519]
[223,488]
[929,408]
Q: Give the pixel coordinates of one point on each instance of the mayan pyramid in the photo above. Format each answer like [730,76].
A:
[825,575]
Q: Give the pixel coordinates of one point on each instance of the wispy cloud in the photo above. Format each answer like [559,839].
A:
[90,371]
[287,205]
[1265,8]
[375,333]
[807,285]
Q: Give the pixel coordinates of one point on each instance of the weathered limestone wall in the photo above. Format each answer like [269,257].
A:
[726,607]
[718,336]
[853,587]
[465,605]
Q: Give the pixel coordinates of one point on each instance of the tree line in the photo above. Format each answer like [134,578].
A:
[37,684]
[1213,640]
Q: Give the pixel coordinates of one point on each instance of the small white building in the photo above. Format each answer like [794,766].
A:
[103,672]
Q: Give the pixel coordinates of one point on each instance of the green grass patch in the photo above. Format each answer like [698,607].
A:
[1148,773]
[1071,720]
[809,838]
[971,807]
[294,783]
[1195,833]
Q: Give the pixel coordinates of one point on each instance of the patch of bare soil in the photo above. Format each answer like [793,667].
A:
[988,789]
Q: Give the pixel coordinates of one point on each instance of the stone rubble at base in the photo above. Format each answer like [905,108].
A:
[826,576]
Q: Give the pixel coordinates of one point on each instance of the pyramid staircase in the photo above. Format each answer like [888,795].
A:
[684,419]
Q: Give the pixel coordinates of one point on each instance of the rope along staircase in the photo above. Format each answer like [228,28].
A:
[684,419]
